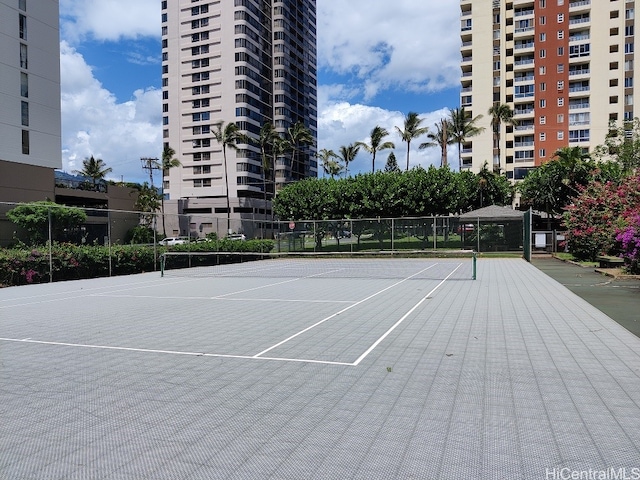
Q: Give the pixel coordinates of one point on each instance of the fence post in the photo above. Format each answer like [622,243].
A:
[109,241]
[50,245]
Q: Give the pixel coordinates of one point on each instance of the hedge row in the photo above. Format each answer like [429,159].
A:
[22,266]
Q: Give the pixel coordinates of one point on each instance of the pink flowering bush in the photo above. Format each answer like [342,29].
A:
[601,216]
[629,239]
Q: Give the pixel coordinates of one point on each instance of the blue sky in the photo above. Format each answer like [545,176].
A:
[373,68]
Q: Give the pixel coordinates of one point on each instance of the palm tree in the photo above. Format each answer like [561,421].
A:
[332,167]
[94,168]
[411,130]
[327,157]
[168,162]
[439,138]
[228,135]
[463,127]
[377,135]
[266,141]
[298,137]
[348,154]
[500,113]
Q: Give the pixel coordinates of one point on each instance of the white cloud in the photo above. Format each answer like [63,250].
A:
[411,44]
[94,123]
[342,123]
[109,19]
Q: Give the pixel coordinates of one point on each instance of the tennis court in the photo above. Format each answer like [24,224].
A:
[315,368]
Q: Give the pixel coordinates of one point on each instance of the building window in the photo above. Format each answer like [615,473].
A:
[560,85]
[628,65]
[561,18]
[560,135]
[560,68]
[543,53]
[164,31]
[579,135]
[542,153]
[24,63]
[560,118]
[628,99]
[560,34]
[543,119]
[628,82]
[613,99]
[613,66]
[613,82]
[614,14]
[24,113]
[543,137]
[628,48]
[24,84]
[628,14]
[22,5]
[543,103]
[542,70]
[543,37]
[164,18]
[165,82]
[25,142]
[23,27]
[613,32]
[560,51]
[165,120]
[628,31]
[543,86]
[561,101]
[542,20]
[613,48]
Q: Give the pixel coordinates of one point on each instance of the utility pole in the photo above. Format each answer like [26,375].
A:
[150,164]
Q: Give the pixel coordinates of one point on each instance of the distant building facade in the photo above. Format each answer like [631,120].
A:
[30,125]
[565,67]
[247,62]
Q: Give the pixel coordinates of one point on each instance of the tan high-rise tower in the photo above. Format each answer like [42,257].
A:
[565,68]
[247,62]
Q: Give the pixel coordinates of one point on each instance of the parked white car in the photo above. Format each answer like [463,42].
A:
[237,236]
[173,241]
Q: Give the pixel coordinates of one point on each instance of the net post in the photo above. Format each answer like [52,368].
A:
[162,259]
[473,268]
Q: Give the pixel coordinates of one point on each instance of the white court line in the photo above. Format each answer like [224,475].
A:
[171,352]
[377,342]
[273,284]
[164,297]
[341,311]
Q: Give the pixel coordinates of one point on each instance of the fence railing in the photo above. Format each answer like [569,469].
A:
[113,230]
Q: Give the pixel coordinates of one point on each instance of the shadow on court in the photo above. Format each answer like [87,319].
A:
[619,298]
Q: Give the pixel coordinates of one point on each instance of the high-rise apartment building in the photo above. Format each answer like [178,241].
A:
[249,62]
[565,68]
[30,126]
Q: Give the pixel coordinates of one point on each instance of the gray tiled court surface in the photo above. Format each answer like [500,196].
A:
[141,377]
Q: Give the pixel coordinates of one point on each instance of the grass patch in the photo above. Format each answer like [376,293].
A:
[567,257]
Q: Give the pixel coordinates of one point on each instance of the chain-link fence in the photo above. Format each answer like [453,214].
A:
[127,241]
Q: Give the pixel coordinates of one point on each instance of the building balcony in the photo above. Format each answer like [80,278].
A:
[523,127]
[581,21]
[467,59]
[578,89]
[527,78]
[579,5]
[578,72]
[579,106]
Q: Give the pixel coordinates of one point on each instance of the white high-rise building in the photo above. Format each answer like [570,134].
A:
[247,62]
[565,67]
[30,131]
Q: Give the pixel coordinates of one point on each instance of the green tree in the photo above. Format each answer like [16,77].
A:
[622,144]
[411,130]
[148,202]
[551,186]
[392,164]
[463,126]
[500,113]
[376,144]
[348,154]
[168,162]
[228,136]
[34,218]
[440,138]
[94,168]
[492,188]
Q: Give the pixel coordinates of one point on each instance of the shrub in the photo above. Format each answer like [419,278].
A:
[22,266]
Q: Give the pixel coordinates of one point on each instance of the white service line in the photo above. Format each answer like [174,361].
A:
[272,284]
[341,311]
[377,342]
[170,352]
[165,297]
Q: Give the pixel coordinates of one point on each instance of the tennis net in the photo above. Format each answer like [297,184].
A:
[386,264]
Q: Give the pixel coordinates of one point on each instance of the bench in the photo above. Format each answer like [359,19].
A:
[610,262]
